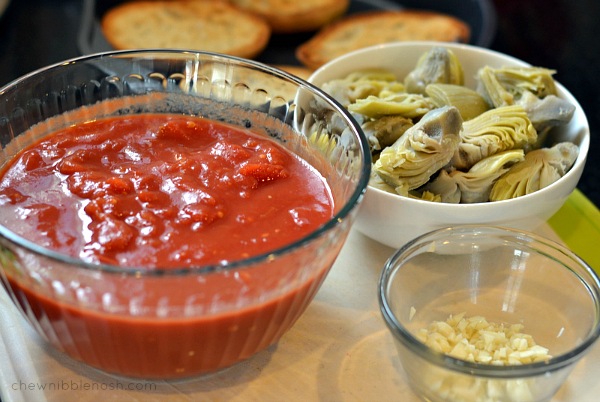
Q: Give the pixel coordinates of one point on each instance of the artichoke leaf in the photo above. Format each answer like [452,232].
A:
[491,89]
[425,196]
[377,182]
[439,65]
[422,150]
[393,88]
[505,86]
[384,131]
[539,169]
[536,80]
[361,84]
[407,105]
[551,111]
[494,131]
[445,187]
[476,184]
[324,142]
[469,103]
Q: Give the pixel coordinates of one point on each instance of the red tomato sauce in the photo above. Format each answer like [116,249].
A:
[166,348]
[160,192]
[157,191]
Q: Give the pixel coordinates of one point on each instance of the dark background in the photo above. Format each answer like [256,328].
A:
[560,34]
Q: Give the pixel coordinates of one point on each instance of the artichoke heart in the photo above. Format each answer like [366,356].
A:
[422,150]
[468,102]
[439,65]
[536,80]
[494,131]
[324,142]
[407,105]
[505,86]
[539,169]
[425,196]
[551,111]
[393,89]
[491,89]
[476,184]
[445,187]
[384,131]
[361,84]
[377,182]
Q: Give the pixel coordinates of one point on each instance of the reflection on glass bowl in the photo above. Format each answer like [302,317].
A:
[172,323]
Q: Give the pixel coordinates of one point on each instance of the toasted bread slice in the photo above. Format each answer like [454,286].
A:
[285,16]
[372,28]
[208,25]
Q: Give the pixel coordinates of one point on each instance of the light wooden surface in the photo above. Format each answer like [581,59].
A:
[338,351]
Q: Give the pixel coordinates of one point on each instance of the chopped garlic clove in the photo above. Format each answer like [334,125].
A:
[476,339]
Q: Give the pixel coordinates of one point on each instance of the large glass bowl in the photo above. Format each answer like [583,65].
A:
[191,320]
[506,276]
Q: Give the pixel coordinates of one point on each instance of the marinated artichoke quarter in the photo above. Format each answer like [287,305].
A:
[421,151]
[434,139]
[440,66]
[468,102]
[539,169]
[496,130]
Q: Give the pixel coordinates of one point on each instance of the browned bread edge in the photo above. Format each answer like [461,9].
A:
[263,30]
[303,20]
[308,52]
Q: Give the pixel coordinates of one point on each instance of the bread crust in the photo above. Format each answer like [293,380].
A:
[209,25]
[376,27]
[286,16]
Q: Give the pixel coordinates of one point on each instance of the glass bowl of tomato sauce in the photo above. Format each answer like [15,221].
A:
[165,214]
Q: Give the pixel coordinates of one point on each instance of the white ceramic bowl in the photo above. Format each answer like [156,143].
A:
[393,219]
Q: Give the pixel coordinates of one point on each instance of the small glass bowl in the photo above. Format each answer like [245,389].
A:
[174,323]
[506,276]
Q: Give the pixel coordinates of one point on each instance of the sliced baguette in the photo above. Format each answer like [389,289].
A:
[208,25]
[289,16]
[372,28]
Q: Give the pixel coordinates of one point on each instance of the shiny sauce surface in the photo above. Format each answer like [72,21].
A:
[161,191]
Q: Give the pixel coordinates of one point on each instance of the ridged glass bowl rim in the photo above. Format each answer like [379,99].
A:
[335,220]
[592,283]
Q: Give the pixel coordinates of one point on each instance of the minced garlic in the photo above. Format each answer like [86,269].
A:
[413,311]
[475,339]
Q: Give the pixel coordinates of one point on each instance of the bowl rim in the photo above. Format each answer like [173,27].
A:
[481,369]
[480,207]
[140,271]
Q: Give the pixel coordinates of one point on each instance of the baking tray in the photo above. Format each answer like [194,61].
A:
[479,14]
